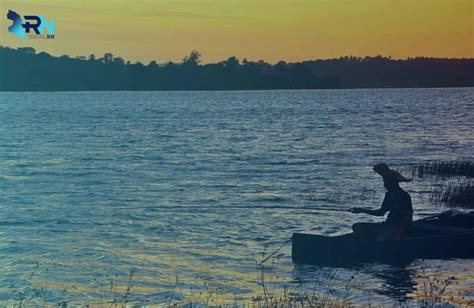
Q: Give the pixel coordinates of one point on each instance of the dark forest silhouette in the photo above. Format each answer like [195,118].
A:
[23,69]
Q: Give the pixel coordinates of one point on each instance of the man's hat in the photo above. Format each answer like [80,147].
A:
[389,174]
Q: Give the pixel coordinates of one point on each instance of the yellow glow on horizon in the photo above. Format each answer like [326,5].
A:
[260,29]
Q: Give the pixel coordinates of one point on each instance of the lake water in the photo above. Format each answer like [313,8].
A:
[185,191]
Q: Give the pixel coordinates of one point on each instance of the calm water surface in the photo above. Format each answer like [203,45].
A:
[194,185]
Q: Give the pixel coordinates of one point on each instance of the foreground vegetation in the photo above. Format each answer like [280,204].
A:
[430,289]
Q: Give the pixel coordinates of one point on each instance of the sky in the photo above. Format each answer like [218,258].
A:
[272,30]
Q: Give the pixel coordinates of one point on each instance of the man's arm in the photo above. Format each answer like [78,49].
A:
[380,212]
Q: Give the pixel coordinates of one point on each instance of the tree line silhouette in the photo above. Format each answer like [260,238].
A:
[23,69]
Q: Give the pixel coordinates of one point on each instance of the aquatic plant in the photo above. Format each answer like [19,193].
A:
[444,169]
[432,290]
[455,195]
[276,293]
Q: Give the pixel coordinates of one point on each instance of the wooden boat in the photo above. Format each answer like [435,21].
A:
[439,237]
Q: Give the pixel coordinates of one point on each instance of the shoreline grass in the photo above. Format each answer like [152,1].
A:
[324,290]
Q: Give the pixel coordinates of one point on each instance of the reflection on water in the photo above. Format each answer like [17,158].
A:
[396,282]
[430,280]
[95,186]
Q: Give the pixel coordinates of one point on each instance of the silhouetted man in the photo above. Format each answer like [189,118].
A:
[397,202]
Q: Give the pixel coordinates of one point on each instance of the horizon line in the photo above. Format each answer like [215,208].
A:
[81,57]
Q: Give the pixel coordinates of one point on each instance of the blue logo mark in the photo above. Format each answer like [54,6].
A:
[33,28]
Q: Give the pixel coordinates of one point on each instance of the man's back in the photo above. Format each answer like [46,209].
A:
[398,203]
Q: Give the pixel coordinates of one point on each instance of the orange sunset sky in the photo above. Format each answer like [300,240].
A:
[274,30]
